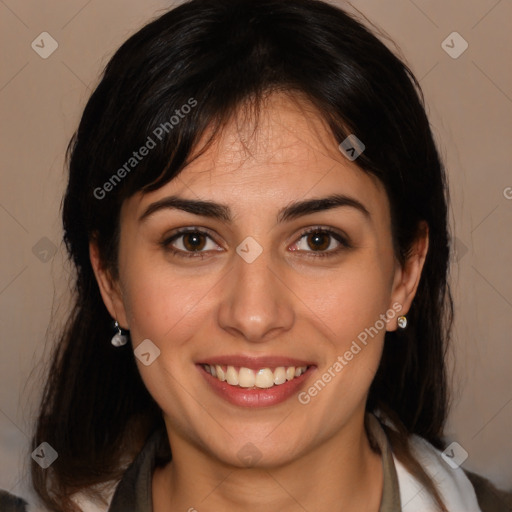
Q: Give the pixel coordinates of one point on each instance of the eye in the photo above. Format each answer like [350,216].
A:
[323,242]
[190,242]
[194,242]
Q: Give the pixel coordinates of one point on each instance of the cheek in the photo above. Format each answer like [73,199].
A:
[351,300]
[162,305]
[347,311]
[166,309]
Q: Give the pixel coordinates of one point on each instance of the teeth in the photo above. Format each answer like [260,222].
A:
[280,375]
[264,378]
[232,376]
[248,378]
[221,375]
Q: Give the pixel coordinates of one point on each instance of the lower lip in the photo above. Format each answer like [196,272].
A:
[247,397]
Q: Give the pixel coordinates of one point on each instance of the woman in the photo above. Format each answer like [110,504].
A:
[257,214]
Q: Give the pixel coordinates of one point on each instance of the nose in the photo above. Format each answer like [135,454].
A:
[256,304]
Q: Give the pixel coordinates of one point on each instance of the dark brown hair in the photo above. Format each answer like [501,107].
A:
[223,54]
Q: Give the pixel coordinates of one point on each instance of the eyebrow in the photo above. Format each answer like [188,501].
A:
[222,212]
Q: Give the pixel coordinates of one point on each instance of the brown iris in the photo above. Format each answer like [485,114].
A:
[318,241]
[194,241]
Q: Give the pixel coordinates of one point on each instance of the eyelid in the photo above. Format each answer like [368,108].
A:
[167,240]
[189,229]
[340,237]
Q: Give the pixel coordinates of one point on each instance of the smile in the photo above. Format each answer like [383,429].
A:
[262,378]
[249,381]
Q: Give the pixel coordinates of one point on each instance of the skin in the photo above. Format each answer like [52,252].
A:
[287,302]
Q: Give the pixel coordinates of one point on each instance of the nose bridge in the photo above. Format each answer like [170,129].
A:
[255,303]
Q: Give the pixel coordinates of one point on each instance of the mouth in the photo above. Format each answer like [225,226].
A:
[255,382]
[261,378]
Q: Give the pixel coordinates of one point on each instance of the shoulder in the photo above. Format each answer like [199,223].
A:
[85,501]
[490,498]
[97,498]
[462,491]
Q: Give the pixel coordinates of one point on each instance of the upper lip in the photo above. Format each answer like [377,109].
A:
[255,362]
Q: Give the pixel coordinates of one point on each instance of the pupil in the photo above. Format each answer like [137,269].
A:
[318,241]
[194,242]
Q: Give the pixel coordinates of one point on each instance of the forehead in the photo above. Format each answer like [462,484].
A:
[285,153]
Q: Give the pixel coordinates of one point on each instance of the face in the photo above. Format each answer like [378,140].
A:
[269,259]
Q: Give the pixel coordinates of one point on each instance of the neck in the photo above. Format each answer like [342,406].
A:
[342,474]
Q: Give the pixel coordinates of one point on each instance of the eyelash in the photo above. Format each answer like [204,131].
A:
[344,243]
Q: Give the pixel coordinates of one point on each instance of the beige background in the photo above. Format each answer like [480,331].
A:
[470,105]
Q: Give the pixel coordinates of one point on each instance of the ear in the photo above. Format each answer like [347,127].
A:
[109,288]
[407,275]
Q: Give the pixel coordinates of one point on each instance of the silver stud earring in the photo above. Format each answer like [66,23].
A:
[402,321]
[119,339]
